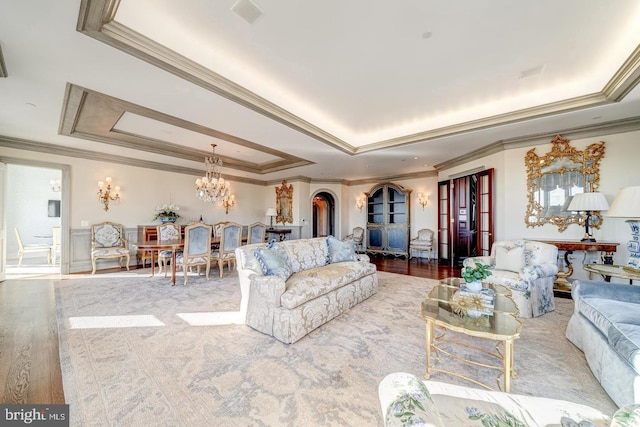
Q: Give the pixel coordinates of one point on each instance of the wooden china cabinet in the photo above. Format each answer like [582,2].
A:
[388,219]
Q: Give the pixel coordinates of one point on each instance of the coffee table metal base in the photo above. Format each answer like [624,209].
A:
[505,355]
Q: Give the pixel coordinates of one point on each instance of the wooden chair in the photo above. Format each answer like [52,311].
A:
[230,239]
[256,233]
[357,237]
[166,231]
[197,249]
[422,243]
[217,228]
[31,249]
[107,241]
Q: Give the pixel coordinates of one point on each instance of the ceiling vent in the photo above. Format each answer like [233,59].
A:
[247,10]
[3,66]
[532,71]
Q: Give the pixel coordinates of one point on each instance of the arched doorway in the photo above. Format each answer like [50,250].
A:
[323,214]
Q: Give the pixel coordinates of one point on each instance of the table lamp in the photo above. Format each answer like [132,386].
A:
[627,205]
[271,212]
[588,202]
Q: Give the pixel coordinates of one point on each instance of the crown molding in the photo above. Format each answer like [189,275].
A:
[3,65]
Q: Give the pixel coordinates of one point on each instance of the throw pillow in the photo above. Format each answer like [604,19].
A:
[340,251]
[510,259]
[274,261]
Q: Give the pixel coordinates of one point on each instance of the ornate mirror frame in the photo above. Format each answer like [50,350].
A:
[554,178]
[284,203]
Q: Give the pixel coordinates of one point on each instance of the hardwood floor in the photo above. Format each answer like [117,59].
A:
[29,358]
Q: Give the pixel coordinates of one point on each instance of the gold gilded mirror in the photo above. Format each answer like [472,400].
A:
[553,180]
[284,203]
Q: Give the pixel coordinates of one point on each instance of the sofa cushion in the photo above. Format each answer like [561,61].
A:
[340,251]
[619,322]
[509,259]
[304,254]
[309,284]
[273,261]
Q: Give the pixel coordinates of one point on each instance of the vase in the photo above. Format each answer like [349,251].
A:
[474,313]
[166,219]
[474,286]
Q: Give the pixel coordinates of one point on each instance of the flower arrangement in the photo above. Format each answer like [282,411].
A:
[167,211]
[476,273]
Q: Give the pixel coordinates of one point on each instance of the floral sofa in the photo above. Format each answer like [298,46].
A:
[528,268]
[605,325]
[407,400]
[290,288]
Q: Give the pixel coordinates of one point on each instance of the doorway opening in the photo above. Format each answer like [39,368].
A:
[33,217]
[324,208]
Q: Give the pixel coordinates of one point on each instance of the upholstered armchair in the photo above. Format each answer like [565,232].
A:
[528,269]
[107,241]
[422,243]
[357,237]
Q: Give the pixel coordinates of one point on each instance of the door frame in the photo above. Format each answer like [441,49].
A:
[65,204]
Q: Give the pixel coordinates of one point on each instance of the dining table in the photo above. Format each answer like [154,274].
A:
[155,246]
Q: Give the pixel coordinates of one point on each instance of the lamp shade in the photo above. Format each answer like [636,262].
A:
[271,212]
[583,202]
[626,204]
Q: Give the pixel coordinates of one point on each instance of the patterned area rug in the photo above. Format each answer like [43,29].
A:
[137,351]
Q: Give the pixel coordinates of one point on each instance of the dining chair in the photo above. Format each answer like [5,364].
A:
[166,231]
[217,228]
[31,249]
[197,249]
[230,239]
[107,241]
[256,233]
[55,244]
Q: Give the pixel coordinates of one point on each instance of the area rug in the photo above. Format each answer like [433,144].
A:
[136,351]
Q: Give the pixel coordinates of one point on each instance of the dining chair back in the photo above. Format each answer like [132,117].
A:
[31,249]
[256,233]
[230,239]
[197,249]
[55,244]
[107,241]
[166,231]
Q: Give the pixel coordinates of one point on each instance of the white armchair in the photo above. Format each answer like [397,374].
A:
[422,243]
[528,269]
[107,241]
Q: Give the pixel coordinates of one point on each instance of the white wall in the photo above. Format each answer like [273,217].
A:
[144,189]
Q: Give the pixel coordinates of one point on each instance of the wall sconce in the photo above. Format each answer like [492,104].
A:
[228,202]
[360,202]
[106,193]
[423,199]
[56,185]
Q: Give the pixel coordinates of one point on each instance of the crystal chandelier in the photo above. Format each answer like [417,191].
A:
[211,188]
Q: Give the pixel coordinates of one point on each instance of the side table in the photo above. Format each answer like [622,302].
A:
[607,271]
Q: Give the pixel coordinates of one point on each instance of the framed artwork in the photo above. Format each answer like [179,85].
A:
[284,203]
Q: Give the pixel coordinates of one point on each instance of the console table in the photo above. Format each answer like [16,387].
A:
[278,233]
[608,270]
[607,249]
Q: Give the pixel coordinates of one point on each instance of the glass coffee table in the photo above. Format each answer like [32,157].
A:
[447,310]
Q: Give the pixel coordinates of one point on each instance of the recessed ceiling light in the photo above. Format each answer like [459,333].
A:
[415,158]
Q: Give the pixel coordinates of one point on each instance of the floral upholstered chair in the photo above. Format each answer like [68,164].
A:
[407,400]
[197,249]
[107,241]
[166,231]
[528,268]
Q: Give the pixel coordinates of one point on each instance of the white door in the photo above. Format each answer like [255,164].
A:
[3,228]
